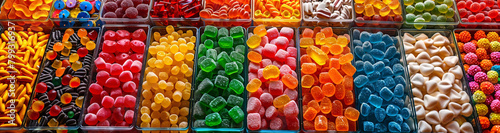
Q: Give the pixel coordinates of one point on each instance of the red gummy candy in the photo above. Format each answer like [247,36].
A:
[116,69]
[139,34]
[126,76]
[55,110]
[100,63]
[112,82]
[121,58]
[52,94]
[92,35]
[129,101]
[65,79]
[108,57]
[101,77]
[475,7]
[461,5]
[129,116]
[122,34]
[103,123]
[109,46]
[118,114]
[123,45]
[479,17]
[41,87]
[107,102]
[95,89]
[137,57]
[126,65]
[93,108]
[137,46]
[119,101]
[103,114]
[65,63]
[129,86]
[91,119]
[136,67]
[82,52]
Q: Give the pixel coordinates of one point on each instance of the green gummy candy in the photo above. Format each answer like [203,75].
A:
[202,75]
[223,32]
[237,114]
[237,32]
[237,77]
[434,18]
[223,58]
[56,81]
[234,100]
[410,18]
[209,44]
[443,8]
[449,3]
[212,53]
[222,73]
[218,103]
[408,2]
[439,1]
[235,56]
[203,37]
[213,119]
[419,20]
[450,13]
[206,99]
[208,65]
[419,7]
[231,68]
[202,50]
[71,114]
[240,49]
[236,86]
[226,123]
[214,92]
[211,31]
[198,111]
[224,113]
[239,41]
[226,42]
[410,9]
[240,68]
[427,17]
[429,5]
[206,85]
[221,81]
[199,123]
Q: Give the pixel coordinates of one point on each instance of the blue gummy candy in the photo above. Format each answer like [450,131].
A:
[379,127]
[360,81]
[397,55]
[405,113]
[399,90]
[377,54]
[364,94]
[377,37]
[356,33]
[375,100]
[394,127]
[367,47]
[378,85]
[394,61]
[364,36]
[379,65]
[389,81]
[365,109]
[398,69]
[496,68]
[386,61]
[379,114]
[405,127]
[357,42]
[358,50]
[386,94]
[390,52]
[380,46]
[394,40]
[368,67]
[398,102]
[400,80]
[387,39]
[386,72]
[391,110]
[397,118]
[373,76]
[368,57]
[368,126]
[359,65]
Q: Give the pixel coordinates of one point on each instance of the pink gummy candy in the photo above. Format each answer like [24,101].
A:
[281,55]
[272,33]
[91,119]
[269,50]
[112,82]
[103,114]
[275,88]
[253,121]
[291,109]
[253,105]
[129,86]
[287,32]
[107,102]
[93,108]
[276,124]
[266,99]
[292,94]
[95,89]
[281,42]
[271,112]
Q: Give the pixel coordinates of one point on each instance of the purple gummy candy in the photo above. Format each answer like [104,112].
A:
[137,2]
[119,12]
[143,10]
[127,4]
[110,15]
[110,6]
[131,12]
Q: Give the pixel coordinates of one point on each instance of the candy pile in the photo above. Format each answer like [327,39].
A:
[219,92]
[126,9]
[378,10]
[26,65]
[76,9]
[380,83]
[166,89]
[21,9]
[277,9]
[233,9]
[327,83]
[272,102]
[176,9]
[478,11]
[429,11]
[441,104]
[63,82]
[481,55]
[114,88]
[327,9]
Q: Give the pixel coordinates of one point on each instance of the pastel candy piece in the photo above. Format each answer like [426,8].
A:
[64,14]
[71,3]
[59,5]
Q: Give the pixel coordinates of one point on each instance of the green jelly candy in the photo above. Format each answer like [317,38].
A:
[450,20]
[206,99]
[410,18]
[199,123]
[201,59]
[223,58]
[222,72]
[240,49]
[240,68]
[449,3]
[429,5]
[56,81]
[419,7]
[212,53]
[231,68]
[408,2]
[209,44]
[214,92]
[71,114]
[218,103]
[221,81]
[443,8]
[223,32]
[237,77]
[235,56]
[237,32]
[427,17]
[208,65]
[227,50]
[226,42]
[202,75]
[198,111]
[202,50]
[234,100]
[236,86]
[226,93]
[237,114]
[226,123]
[435,11]
[210,31]
[206,85]
[203,37]
[239,41]
[410,9]
[434,18]
[419,20]
[450,13]
[224,114]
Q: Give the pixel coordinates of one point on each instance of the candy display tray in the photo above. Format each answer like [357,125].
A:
[299,88]
[453,24]
[228,22]
[162,31]
[275,22]
[42,67]
[328,22]
[145,20]
[159,21]
[381,24]
[194,100]
[86,102]
[408,94]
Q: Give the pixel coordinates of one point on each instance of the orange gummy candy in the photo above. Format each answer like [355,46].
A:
[310,114]
[349,97]
[313,104]
[327,31]
[324,77]
[290,81]
[321,123]
[308,68]
[336,49]
[329,89]
[351,113]
[325,105]
[348,69]
[307,81]
[335,76]
[337,109]
[341,123]
[317,93]
[307,33]
[254,57]
[340,91]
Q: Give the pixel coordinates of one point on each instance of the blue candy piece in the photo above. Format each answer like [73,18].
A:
[397,55]
[359,66]
[379,127]
[360,81]
[355,34]
[375,100]
[377,54]
[394,61]
[405,127]
[496,68]
[398,102]
[400,80]
[377,37]
[59,5]
[358,50]
[380,46]
[394,40]
[364,94]
[86,6]
[368,67]
[364,36]
[387,39]
[373,76]
[397,118]
[405,113]
[378,85]
[97,5]
[386,94]
[357,42]
[391,110]
[64,14]
[379,65]
[398,69]
[83,14]
[390,52]
[387,72]
[379,114]
[394,127]
[368,57]
[399,90]
[389,81]
[368,126]
[365,109]
[367,47]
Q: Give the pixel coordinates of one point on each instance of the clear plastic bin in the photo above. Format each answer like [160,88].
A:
[176,22]
[432,25]
[227,22]
[275,22]
[375,23]
[408,94]
[330,22]
[145,20]
[73,22]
